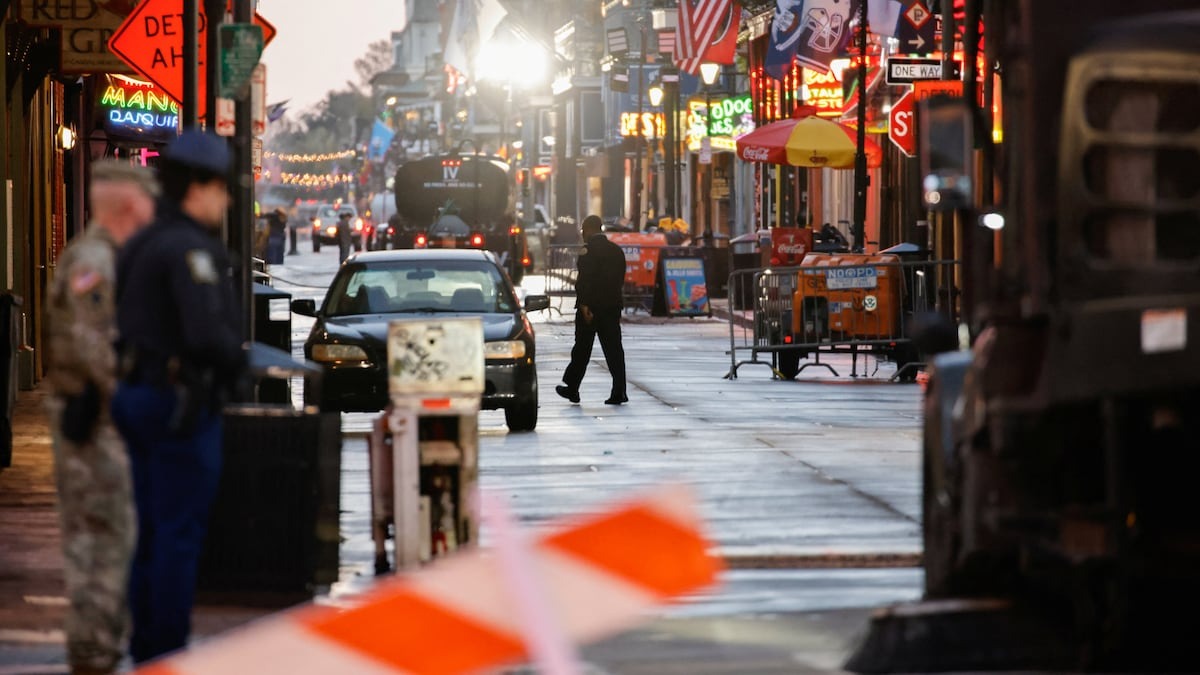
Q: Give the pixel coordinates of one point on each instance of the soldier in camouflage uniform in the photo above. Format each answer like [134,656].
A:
[91,464]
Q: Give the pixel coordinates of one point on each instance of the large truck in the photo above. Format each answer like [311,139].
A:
[435,194]
[1062,450]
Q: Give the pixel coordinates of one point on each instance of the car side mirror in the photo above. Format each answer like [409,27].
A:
[536,303]
[305,307]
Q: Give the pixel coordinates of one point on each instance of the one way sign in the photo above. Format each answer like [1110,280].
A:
[906,70]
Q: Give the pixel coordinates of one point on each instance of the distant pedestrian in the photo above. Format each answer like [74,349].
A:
[598,304]
[276,236]
[91,467]
[344,234]
[181,350]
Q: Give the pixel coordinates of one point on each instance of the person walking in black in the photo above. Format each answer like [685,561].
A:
[345,232]
[598,305]
[180,346]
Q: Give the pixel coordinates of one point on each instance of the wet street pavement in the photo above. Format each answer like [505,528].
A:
[810,489]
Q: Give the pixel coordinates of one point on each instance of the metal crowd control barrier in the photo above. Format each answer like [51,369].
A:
[853,305]
[424,450]
[641,289]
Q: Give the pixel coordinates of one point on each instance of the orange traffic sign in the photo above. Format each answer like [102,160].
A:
[151,42]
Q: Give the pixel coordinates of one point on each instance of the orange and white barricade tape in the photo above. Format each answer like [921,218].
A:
[475,610]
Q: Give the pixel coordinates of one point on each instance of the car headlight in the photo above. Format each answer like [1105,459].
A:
[327,352]
[507,349]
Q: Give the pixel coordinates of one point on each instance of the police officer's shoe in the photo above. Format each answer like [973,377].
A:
[568,393]
[617,400]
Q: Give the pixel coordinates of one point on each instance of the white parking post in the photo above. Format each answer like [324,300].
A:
[435,380]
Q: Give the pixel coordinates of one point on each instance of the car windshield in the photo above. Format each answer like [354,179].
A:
[330,214]
[471,286]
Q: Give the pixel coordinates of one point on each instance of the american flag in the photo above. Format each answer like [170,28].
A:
[699,21]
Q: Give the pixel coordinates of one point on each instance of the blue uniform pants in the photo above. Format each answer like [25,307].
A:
[175,480]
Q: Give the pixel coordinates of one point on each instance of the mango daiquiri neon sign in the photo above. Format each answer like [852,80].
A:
[134,110]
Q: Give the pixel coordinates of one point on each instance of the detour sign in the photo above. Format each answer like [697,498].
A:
[641,256]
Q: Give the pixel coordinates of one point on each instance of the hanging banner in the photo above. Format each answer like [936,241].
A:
[824,32]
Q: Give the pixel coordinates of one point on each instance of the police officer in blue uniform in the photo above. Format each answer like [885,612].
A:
[180,347]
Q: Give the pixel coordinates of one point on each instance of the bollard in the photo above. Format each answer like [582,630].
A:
[292,241]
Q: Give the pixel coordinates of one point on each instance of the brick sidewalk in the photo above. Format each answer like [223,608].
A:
[31,567]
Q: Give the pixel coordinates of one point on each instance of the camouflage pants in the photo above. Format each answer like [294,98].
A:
[96,509]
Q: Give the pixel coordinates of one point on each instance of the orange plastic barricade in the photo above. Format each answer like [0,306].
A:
[641,255]
[456,615]
[858,295]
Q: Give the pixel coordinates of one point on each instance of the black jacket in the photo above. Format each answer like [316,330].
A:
[601,274]
[175,295]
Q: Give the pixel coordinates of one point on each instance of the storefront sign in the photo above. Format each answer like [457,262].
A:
[823,91]
[652,125]
[731,117]
[86,26]
[136,112]
[686,287]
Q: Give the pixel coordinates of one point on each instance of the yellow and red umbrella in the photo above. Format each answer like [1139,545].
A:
[811,141]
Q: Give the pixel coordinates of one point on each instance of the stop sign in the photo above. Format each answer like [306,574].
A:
[900,125]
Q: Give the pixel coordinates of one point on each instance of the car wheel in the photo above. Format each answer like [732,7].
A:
[522,415]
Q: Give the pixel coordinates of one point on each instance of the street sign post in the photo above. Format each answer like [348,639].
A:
[908,69]
[151,42]
[917,31]
[901,129]
[241,46]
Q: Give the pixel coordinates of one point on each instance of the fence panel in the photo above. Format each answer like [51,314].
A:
[836,305]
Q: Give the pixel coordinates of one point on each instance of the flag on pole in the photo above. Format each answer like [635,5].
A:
[706,31]
[473,24]
[824,31]
[381,140]
[785,37]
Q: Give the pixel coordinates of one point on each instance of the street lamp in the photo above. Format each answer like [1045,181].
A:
[708,74]
[656,95]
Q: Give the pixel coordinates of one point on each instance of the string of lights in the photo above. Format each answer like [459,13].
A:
[309,158]
[317,180]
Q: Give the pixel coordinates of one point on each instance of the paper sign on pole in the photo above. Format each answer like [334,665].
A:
[258,100]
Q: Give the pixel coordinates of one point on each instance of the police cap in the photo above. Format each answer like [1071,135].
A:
[199,150]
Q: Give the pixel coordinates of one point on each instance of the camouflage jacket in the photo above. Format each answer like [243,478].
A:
[81,315]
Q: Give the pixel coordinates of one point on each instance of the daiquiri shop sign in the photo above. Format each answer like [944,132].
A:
[134,112]
[731,117]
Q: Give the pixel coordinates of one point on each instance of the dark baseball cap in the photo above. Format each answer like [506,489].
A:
[200,150]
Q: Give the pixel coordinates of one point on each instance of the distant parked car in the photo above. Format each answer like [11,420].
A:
[326,222]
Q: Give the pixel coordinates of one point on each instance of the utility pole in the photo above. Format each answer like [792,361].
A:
[861,180]
[639,137]
[241,220]
[191,57]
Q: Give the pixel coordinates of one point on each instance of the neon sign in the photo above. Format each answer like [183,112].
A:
[137,112]
[653,125]
[823,91]
[731,117]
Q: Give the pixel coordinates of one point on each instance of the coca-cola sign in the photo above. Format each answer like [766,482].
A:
[756,154]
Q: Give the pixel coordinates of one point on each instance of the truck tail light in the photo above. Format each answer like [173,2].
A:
[477,240]
[420,241]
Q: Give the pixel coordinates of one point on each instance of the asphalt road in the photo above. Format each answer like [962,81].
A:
[809,489]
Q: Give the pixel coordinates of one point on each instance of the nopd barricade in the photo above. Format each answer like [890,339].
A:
[839,303]
[424,450]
